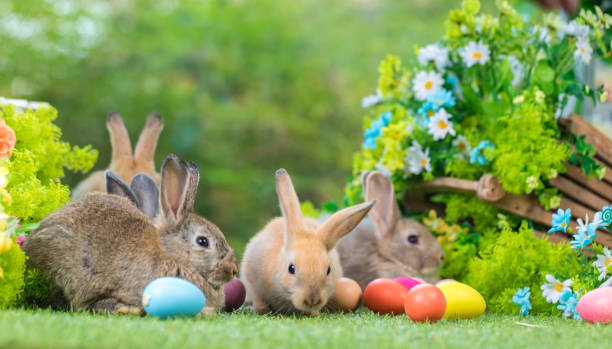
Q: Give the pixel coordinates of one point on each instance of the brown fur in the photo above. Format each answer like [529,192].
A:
[123,162]
[291,239]
[379,246]
[101,251]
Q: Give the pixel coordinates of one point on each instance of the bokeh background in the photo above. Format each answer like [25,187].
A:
[245,87]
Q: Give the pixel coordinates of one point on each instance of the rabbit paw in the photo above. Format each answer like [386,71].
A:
[207,312]
[123,309]
[314,313]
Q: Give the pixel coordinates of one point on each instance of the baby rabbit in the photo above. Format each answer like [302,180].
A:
[291,265]
[387,245]
[123,162]
[101,251]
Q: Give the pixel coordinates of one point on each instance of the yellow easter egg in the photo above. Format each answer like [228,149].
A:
[462,301]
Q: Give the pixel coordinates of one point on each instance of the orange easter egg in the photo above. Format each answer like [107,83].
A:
[425,303]
[347,296]
[385,296]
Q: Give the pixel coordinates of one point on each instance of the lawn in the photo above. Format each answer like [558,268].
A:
[46,329]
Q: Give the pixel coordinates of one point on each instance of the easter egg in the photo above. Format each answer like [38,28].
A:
[462,301]
[443,281]
[425,303]
[234,295]
[596,306]
[385,296]
[172,297]
[408,283]
[347,296]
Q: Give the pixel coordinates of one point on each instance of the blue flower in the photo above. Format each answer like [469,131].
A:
[428,109]
[453,81]
[560,221]
[477,155]
[442,99]
[606,216]
[521,297]
[567,303]
[375,130]
[584,237]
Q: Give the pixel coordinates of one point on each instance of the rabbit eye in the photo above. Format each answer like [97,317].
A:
[202,241]
[413,239]
[328,270]
[291,269]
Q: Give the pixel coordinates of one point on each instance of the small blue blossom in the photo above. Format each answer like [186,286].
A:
[560,221]
[606,216]
[584,237]
[453,81]
[521,297]
[375,130]
[442,99]
[567,303]
[477,155]
[428,109]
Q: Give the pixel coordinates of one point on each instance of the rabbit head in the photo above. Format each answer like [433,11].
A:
[402,240]
[308,265]
[186,236]
[125,163]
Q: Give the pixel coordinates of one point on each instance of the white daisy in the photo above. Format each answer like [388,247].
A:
[603,262]
[553,289]
[584,51]
[574,28]
[475,52]
[517,70]
[417,159]
[439,126]
[542,34]
[434,53]
[371,100]
[460,143]
[426,83]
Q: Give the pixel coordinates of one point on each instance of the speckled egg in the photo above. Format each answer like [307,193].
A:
[385,296]
[596,306]
[172,297]
[462,301]
[347,296]
[235,293]
[408,283]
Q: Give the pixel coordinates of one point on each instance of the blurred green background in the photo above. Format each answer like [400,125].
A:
[245,87]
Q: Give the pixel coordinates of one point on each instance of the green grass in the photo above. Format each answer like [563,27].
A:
[43,328]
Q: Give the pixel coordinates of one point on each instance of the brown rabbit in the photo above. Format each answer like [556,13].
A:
[123,162]
[100,252]
[142,192]
[387,245]
[292,265]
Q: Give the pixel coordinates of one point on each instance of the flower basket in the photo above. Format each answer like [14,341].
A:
[583,195]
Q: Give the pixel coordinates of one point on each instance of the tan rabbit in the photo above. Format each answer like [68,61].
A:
[123,162]
[100,252]
[387,245]
[291,265]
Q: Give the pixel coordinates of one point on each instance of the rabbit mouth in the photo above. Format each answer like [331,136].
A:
[431,274]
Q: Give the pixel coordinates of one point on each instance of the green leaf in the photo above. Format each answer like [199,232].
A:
[544,76]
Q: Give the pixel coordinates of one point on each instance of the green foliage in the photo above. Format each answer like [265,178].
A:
[37,163]
[518,259]
[12,267]
[584,156]
[35,290]
[460,207]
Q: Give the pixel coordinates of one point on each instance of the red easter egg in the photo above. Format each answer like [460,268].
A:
[234,295]
[408,282]
[596,306]
[425,303]
[385,296]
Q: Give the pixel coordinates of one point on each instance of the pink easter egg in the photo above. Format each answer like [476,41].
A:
[596,306]
[408,283]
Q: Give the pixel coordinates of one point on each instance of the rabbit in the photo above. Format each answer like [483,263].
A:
[123,162]
[291,266]
[142,192]
[385,245]
[101,251]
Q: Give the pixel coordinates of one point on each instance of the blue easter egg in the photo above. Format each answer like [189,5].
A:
[171,297]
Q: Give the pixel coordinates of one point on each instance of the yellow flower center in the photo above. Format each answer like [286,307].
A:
[461,146]
[424,162]
[428,85]
[477,55]
[608,262]
[430,113]
[442,125]
[582,49]
[563,224]
[558,287]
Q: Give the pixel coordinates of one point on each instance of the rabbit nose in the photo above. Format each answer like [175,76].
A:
[312,301]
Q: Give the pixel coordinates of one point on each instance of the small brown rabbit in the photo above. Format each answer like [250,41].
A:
[387,245]
[100,252]
[123,162]
[291,265]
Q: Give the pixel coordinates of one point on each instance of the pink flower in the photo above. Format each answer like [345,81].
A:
[20,240]
[7,139]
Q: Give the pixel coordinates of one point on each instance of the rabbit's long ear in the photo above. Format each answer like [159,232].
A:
[289,202]
[115,185]
[178,188]
[120,140]
[364,181]
[342,223]
[147,142]
[385,213]
[146,191]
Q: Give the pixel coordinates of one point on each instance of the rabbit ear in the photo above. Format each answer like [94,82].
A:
[289,202]
[364,181]
[114,185]
[178,187]
[120,140]
[385,213]
[342,223]
[147,142]
[146,191]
